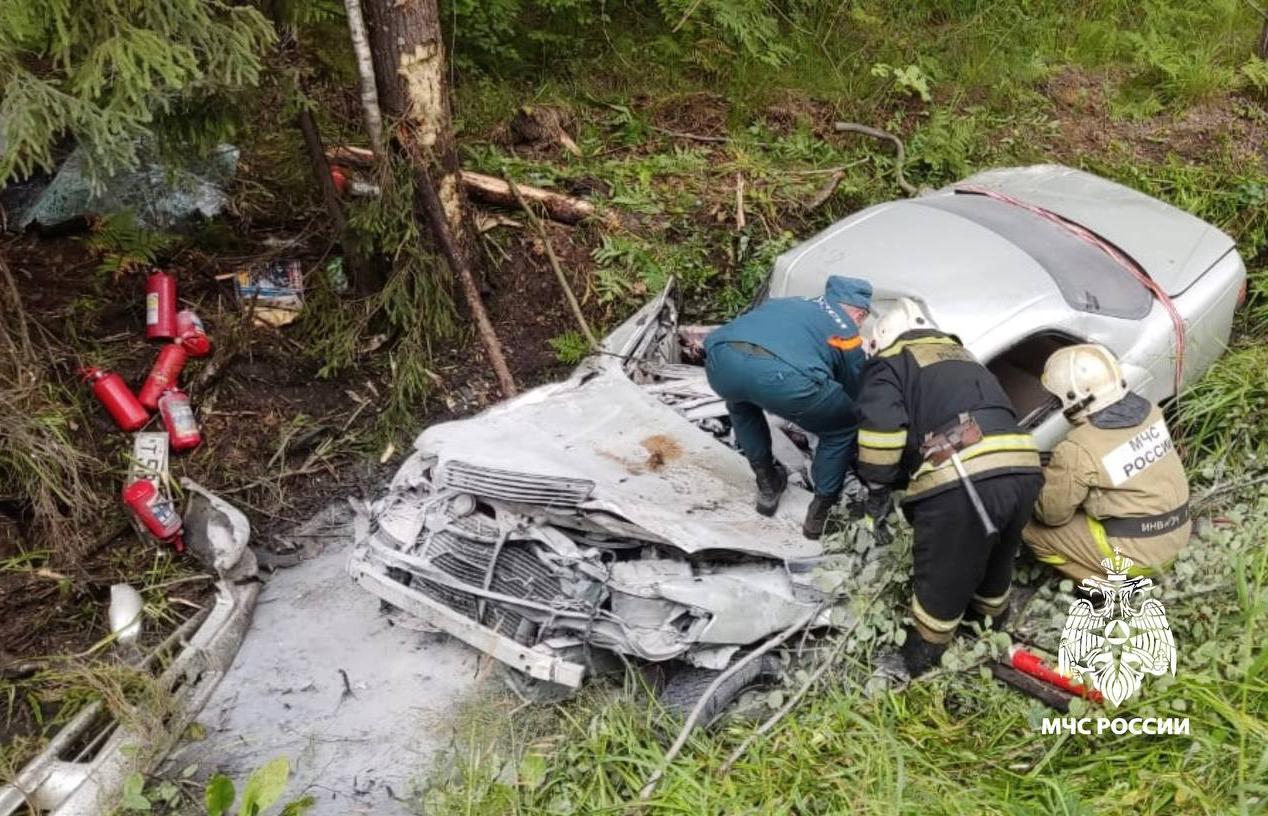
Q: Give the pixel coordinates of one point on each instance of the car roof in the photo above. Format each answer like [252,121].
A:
[968,277]
[974,261]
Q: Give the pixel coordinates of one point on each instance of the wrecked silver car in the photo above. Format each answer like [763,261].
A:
[611,513]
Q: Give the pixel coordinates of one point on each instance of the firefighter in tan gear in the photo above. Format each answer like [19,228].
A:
[1115,482]
[937,424]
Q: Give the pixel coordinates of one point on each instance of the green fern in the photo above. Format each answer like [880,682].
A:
[123,246]
[570,348]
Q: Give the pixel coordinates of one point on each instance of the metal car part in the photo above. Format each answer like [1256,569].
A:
[82,769]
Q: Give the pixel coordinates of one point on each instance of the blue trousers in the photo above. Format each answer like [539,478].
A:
[752,383]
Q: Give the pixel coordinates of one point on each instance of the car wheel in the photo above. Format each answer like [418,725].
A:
[687,686]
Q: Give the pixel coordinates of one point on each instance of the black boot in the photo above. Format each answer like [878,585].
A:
[817,516]
[894,670]
[919,655]
[772,478]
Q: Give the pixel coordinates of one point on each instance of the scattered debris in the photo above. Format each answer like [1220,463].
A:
[272,292]
[216,531]
[161,194]
[160,306]
[178,419]
[559,207]
[535,124]
[163,375]
[154,510]
[126,605]
[113,393]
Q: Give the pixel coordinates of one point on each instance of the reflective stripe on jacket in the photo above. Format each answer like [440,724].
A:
[1128,472]
[920,385]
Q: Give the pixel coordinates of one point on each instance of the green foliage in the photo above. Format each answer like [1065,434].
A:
[219,795]
[133,796]
[570,348]
[1254,75]
[1227,409]
[909,80]
[1174,65]
[264,786]
[105,73]
[124,246]
[412,311]
[751,26]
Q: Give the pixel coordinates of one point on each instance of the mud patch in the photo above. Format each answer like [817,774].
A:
[661,450]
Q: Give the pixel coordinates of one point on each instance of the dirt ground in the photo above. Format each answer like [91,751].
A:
[248,405]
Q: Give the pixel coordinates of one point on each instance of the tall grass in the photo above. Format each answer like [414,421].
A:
[46,478]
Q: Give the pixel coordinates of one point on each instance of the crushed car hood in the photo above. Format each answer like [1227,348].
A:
[599,442]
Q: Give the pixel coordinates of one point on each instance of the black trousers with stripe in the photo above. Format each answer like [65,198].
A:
[954,566]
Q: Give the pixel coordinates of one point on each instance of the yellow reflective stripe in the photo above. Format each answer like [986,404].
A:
[996,601]
[1098,535]
[982,464]
[930,622]
[883,439]
[890,351]
[884,456]
[997,443]
[1054,560]
[1102,543]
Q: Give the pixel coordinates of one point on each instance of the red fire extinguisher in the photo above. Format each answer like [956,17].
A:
[163,375]
[1032,664]
[160,306]
[191,334]
[112,392]
[157,514]
[178,418]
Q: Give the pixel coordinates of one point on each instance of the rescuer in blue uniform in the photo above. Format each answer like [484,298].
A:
[801,359]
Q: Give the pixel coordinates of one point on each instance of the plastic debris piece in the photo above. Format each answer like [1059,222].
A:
[161,194]
[217,531]
[126,605]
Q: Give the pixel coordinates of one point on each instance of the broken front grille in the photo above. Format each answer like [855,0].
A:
[509,485]
[518,573]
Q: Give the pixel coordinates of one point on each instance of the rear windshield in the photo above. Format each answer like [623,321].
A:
[1089,279]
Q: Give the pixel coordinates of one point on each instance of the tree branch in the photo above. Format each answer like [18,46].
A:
[554,264]
[439,223]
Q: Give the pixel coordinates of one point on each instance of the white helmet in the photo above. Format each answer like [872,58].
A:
[904,316]
[1086,378]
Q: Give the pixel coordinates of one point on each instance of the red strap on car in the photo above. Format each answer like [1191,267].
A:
[1109,249]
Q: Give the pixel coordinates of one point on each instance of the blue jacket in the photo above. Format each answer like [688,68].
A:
[813,335]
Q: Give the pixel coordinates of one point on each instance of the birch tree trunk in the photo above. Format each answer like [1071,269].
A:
[365,71]
[409,67]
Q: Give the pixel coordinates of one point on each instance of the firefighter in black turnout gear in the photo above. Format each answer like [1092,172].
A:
[930,413]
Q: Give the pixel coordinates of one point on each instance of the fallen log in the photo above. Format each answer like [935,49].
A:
[487,189]
[493,190]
